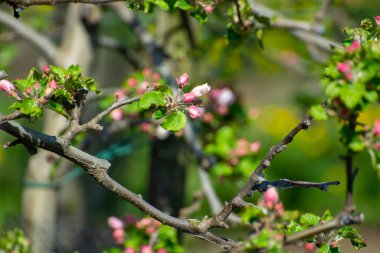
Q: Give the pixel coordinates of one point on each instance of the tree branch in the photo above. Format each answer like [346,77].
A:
[55,2]
[286,184]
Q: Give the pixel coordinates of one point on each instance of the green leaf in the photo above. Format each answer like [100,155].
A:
[251,214]
[165,89]
[183,5]
[318,112]
[30,108]
[324,249]
[222,169]
[351,95]
[57,108]
[152,98]
[175,121]
[160,3]
[351,233]
[199,13]
[356,144]
[310,219]
[327,216]
[159,114]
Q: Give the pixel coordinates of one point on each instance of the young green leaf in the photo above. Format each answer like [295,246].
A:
[152,98]
[310,219]
[175,121]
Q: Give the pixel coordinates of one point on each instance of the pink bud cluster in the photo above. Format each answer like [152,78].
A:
[7,87]
[149,225]
[117,225]
[150,77]
[244,147]
[353,47]
[194,96]
[222,99]
[271,200]
[345,68]
[377,20]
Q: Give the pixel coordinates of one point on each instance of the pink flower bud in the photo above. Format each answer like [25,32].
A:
[353,47]
[28,90]
[42,100]
[271,195]
[343,67]
[7,87]
[119,236]
[222,109]
[53,84]
[242,147]
[36,85]
[129,250]
[156,76]
[161,251]
[376,127]
[208,117]
[225,97]
[200,90]
[143,223]
[115,223]
[147,71]
[120,94]
[208,9]
[46,69]
[156,223]
[146,249]
[117,114]
[255,146]
[183,80]
[309,247]
[188,97]
[377,145]
[377,20]
[150,230]
[193,111]
[132,82]
[145,127]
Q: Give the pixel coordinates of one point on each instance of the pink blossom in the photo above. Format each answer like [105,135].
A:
[200,90]
[343,67]
[309,247]
[208,117]
[353,47]
[53,85]
[193,111]
[146,249]
[271,195]
[7,87]
[46,69]
[156,76]
[147,71]
[120,94]
[129,250]
[117,114]
[36,85]
[225,97]
[255,146]
[376,127]
[115,223]
[119,236]
[144,222]
[222,109]
[183,80]
[242,147]
[132,82]
[208,9]
[377,20]
[145,127]
[150,230]
[188,97]
[161,251]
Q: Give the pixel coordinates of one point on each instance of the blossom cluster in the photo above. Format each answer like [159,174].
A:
[145,227]
[193,97]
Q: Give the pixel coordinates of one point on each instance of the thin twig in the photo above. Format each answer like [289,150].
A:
[286,184]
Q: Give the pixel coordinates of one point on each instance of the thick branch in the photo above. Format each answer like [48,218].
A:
[39,41]
[55,2]
[97,168]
